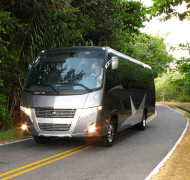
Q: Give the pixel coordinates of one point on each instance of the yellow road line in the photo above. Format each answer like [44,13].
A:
[152,117]
[37,162]
[35,167]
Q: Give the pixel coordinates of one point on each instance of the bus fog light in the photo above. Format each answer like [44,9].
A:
[24,127]
[92,128]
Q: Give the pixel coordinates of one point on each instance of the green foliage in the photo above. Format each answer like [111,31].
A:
[172,89]
[164,76]
[183,66]
[163,89]
[5,118]
[9,26]
[10,135]
[6,26]
[167,9]
[152,51]
[113,22]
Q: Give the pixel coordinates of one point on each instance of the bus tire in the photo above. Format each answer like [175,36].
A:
[108,139]
[41,139]
[142,125]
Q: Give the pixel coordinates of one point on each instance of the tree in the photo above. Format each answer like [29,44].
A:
[7,26]
[152,51]
[172,89]
[113,22]
[183,66]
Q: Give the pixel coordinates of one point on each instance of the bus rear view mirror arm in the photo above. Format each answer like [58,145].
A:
[114,63]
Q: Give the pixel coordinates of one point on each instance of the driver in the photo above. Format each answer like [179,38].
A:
[97,75]
[93,79]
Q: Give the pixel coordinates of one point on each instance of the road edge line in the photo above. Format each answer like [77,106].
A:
[16,141]
[157,168]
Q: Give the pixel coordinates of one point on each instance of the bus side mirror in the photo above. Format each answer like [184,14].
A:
[114,64]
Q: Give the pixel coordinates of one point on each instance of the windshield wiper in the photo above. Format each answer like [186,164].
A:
[75,84]
[44,85]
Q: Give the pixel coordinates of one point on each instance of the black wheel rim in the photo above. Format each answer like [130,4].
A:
[110,133]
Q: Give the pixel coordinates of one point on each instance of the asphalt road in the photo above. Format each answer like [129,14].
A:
[134,155]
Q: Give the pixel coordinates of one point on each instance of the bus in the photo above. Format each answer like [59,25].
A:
[80,92]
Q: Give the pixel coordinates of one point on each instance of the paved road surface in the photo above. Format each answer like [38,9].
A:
[134,155]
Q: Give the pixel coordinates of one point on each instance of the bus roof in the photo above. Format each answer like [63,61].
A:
[96,48]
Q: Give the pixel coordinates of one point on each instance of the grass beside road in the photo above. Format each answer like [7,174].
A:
[10,135]
[177,167]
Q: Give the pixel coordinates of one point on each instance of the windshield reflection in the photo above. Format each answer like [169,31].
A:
[68,71]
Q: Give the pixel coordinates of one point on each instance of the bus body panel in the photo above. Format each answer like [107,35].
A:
[57,102]
[129,90]
[51,104]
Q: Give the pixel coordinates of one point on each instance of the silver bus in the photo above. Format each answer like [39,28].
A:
[86,92]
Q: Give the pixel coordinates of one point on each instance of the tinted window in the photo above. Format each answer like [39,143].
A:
[111,76]
[128,73]
[135,76]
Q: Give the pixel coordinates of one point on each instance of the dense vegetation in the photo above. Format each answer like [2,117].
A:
[170,87]
[28,27]
[176,89]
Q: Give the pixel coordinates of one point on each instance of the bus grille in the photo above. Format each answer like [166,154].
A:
[55,113]
[54,127]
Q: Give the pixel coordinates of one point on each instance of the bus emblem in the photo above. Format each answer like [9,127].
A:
[53,113]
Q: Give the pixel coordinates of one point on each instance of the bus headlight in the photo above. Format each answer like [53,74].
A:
[89,117]
[26,110]
[86,112]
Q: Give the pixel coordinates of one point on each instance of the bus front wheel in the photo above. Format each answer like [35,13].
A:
[108,139]
[41,139]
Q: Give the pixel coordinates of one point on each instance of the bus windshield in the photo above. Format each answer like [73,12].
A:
[66,71]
